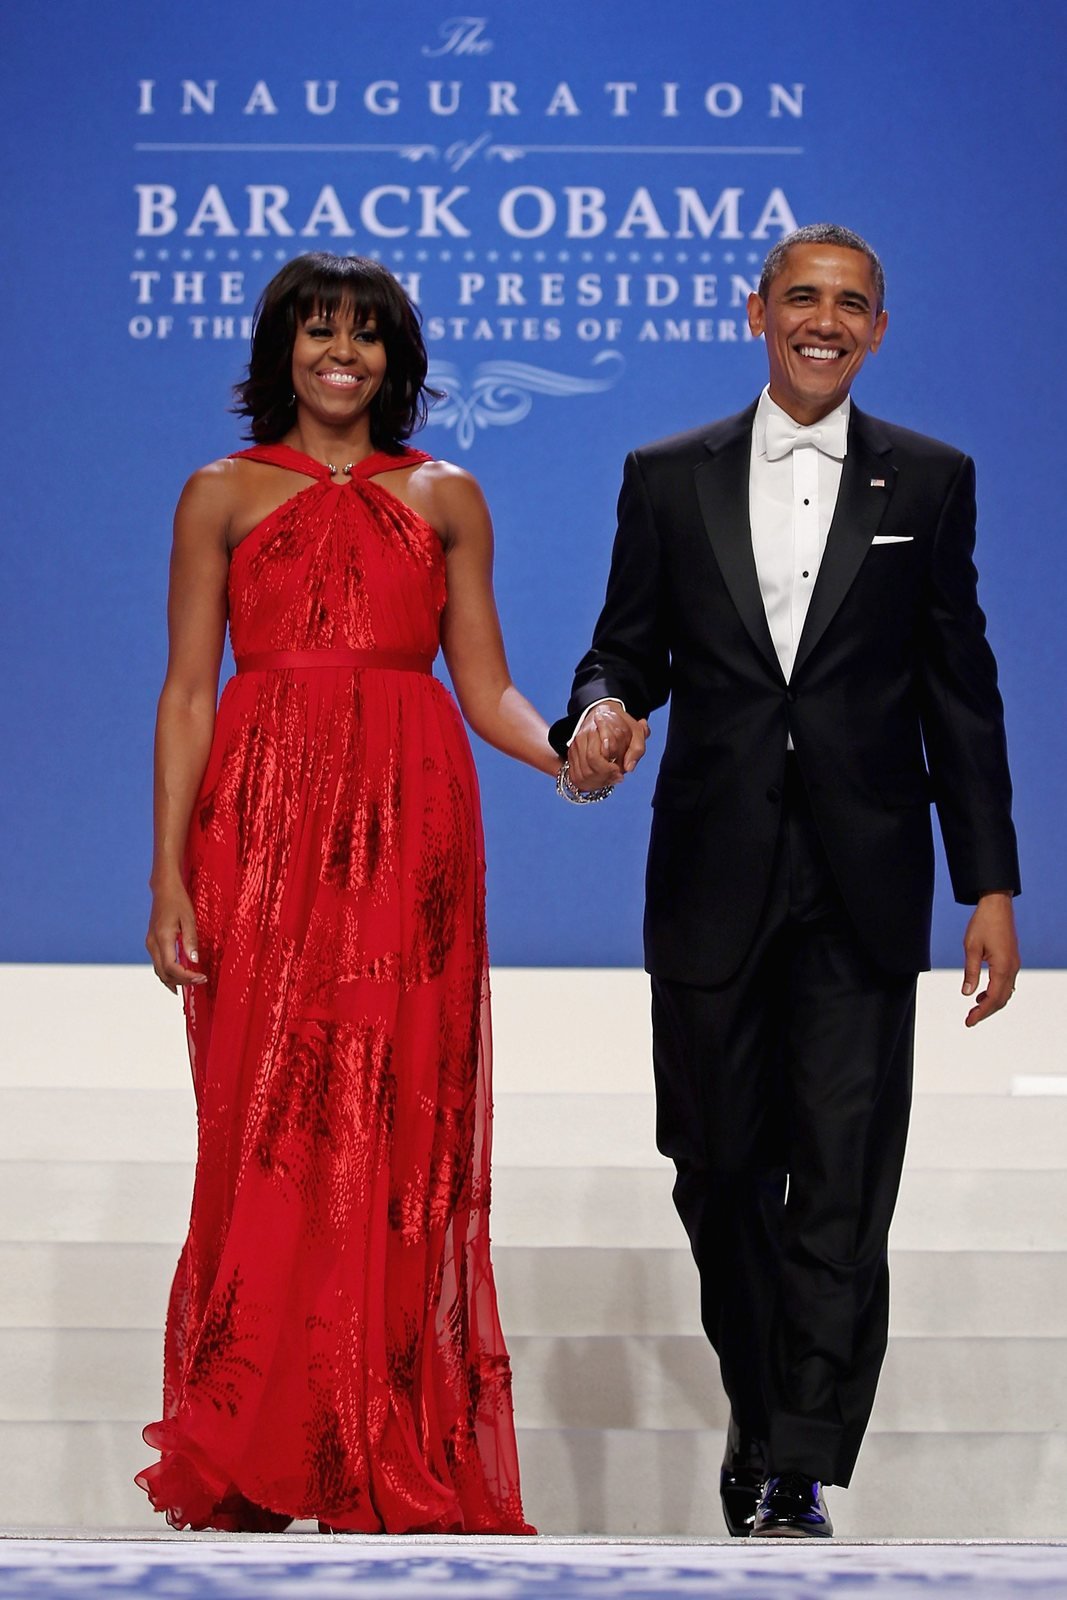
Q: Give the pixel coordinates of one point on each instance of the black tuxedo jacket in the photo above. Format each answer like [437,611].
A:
[892,703]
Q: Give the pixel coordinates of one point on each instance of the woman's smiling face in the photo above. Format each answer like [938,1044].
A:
[338,366]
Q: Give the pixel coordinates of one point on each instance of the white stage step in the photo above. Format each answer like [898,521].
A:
[639,1482]
[117,1027]
[137,1203]
[577,1130]
[619,1481]
[588,1382]
[617,1398]
[585,1289]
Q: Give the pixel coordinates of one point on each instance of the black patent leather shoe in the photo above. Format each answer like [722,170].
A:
[741,1481]
[792,1507]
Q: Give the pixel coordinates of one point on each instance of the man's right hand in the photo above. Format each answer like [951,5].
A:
[608,746]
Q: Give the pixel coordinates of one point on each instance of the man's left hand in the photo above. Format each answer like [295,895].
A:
[991,941]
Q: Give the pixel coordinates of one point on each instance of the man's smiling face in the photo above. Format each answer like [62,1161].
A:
[820,318]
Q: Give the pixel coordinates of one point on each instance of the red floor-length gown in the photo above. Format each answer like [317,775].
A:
[333,1348]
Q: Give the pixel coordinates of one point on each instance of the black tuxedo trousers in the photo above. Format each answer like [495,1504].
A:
[783,1098]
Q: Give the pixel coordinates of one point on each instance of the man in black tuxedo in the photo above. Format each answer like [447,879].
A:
[798,580]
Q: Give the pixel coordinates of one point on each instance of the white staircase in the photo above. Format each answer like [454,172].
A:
[617,1397]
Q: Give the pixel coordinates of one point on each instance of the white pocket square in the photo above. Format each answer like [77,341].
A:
[893,538]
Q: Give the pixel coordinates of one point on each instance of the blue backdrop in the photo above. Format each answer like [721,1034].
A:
[579,195]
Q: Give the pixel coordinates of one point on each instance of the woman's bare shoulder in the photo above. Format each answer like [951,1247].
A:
[451,499]
[211,495]
[448,485]
[218,481]
[435,471]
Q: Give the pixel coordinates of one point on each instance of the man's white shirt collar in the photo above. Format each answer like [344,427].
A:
[833,427]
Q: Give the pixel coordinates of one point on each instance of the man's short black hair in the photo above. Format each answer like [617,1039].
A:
[821,233]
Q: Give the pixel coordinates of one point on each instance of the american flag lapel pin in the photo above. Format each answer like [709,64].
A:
[877,483]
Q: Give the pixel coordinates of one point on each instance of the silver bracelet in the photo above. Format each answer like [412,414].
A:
[578,797]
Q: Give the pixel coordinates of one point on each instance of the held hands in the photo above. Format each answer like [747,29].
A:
[608,746]
[172,925]
[990,940]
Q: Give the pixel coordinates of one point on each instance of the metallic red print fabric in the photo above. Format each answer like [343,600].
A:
[333,1349]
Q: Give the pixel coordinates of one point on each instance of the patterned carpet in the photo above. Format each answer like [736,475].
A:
[310,1568]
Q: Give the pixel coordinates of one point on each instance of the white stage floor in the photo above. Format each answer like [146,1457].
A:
[285,1567]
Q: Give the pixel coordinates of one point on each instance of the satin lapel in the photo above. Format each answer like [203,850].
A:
[867,481]
[722,491]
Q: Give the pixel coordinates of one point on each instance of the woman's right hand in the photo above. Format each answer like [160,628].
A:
[172,926]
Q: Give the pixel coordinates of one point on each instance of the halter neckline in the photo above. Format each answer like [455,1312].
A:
[285,455]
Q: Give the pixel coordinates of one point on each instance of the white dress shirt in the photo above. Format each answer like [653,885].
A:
[791,502]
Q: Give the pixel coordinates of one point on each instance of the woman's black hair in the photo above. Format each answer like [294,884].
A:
[323,284]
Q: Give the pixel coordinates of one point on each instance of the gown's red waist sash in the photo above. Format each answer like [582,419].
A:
[338,656]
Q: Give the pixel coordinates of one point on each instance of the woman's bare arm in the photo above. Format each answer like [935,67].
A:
[185,721]
[470,628]
[474,647]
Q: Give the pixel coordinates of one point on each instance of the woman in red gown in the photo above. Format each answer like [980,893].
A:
[333,1349]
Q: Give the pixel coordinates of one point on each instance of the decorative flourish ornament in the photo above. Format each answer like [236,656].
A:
[502,392]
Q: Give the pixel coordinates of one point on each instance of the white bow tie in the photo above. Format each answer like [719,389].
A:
[784,435]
